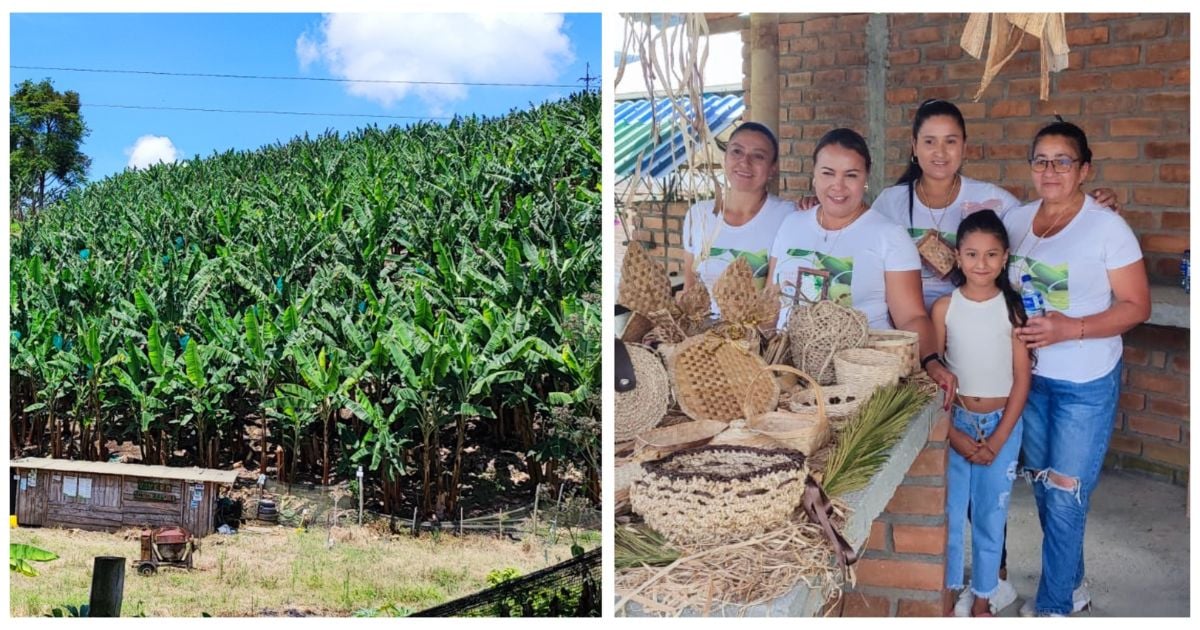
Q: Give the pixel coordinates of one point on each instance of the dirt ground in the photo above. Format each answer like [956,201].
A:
[269,571]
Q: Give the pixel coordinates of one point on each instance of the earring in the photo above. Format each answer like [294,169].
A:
[914,159]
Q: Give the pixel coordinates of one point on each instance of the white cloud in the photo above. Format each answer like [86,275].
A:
[504,48]
[150,149]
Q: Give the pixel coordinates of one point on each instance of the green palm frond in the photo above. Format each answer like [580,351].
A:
[867,439]
[638,545]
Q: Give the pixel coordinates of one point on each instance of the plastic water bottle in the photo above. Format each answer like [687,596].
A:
[1185,271]
[1035,304]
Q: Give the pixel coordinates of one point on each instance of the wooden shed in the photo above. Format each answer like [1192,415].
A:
[108,496]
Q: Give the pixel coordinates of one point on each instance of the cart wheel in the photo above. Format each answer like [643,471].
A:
[147,568]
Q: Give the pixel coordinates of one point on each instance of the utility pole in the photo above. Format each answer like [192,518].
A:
[588,77]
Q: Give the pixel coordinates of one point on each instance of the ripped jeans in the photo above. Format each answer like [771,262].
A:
[1067,428]
[985,489]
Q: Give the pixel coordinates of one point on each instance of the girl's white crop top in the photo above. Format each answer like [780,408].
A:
[979,345]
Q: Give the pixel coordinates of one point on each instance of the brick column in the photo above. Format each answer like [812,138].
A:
[902,570]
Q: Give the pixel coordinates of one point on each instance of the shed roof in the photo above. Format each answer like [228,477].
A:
[128,470]
[633,133]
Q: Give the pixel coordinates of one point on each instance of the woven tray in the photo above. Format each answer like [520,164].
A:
[713,377]
[645,405]
[663,441]
[865,369]
[719,493]
[902,343]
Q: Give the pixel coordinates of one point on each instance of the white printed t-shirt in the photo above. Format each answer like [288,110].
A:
[714,244]
[972,195]
[856,258]
[1071,270]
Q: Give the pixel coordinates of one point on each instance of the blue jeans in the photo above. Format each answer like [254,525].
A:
[1067,428]
[985,491]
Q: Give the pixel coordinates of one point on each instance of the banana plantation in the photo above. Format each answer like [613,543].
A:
[385,298]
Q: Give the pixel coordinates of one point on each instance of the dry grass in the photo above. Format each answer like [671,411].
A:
[278,571]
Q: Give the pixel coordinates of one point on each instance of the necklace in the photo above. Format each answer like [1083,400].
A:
[825,231]
[949,199]
[1038,239]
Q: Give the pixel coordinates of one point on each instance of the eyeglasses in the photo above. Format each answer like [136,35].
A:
[1061,165]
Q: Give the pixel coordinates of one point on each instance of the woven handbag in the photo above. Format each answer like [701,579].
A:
[645,405]
[714,378]
[902,343]
[865,369]
[936,253]
[818,331]
[719,493]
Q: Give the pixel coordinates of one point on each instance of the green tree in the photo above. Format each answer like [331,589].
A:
[45,131]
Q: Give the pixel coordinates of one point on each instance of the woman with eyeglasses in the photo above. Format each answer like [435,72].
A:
[743,223]
[1087,263]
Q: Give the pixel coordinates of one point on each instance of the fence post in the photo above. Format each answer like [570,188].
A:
[557,510]
[536,491]
[500,515]
[460,520]
[414,525]
[108,586]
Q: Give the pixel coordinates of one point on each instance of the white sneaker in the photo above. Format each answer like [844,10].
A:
[1081,598]
[1003,598]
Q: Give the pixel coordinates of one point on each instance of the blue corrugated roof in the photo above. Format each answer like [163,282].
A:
[633,134]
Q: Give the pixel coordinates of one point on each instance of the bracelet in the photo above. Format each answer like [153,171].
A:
[1081,320]
[933,356]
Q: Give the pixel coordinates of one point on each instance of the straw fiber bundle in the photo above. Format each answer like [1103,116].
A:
[645,287]
[642,407]
[714,378]
[902,343]
[867,369]
[818,331]
[719,493]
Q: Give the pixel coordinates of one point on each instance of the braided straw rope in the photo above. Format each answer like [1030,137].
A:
[820,330]
[719,493]
[645,287]
[714,378]
[645,405]
[866,369]
[902,343]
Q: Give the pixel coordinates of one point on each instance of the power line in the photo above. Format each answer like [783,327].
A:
[290,78]
[260,111]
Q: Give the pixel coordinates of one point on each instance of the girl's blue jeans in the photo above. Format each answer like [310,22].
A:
[985,489]
[1067,428]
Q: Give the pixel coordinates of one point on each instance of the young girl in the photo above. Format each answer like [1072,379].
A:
[974,325]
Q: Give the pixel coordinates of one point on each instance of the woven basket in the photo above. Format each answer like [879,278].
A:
[805,430]
[902,343]
[719,493]
[636,327]
[714,378]
[736,294]
[645,287]
[661,442]
[841,401]
[864,369]
[645,405]
[818,331]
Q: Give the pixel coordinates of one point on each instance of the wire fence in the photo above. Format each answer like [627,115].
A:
[567,589]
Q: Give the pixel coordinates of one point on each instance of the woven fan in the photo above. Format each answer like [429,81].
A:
[713,376]
[736,295]
[645,287]
[695,305]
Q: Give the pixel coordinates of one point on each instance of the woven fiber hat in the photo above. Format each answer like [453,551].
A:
[645,405]
[714,378]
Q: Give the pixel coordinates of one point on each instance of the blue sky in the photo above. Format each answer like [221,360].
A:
[543,49]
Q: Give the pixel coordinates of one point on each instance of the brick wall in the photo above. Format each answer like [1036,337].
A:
[901,572]
[657,226]
[1152,432]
